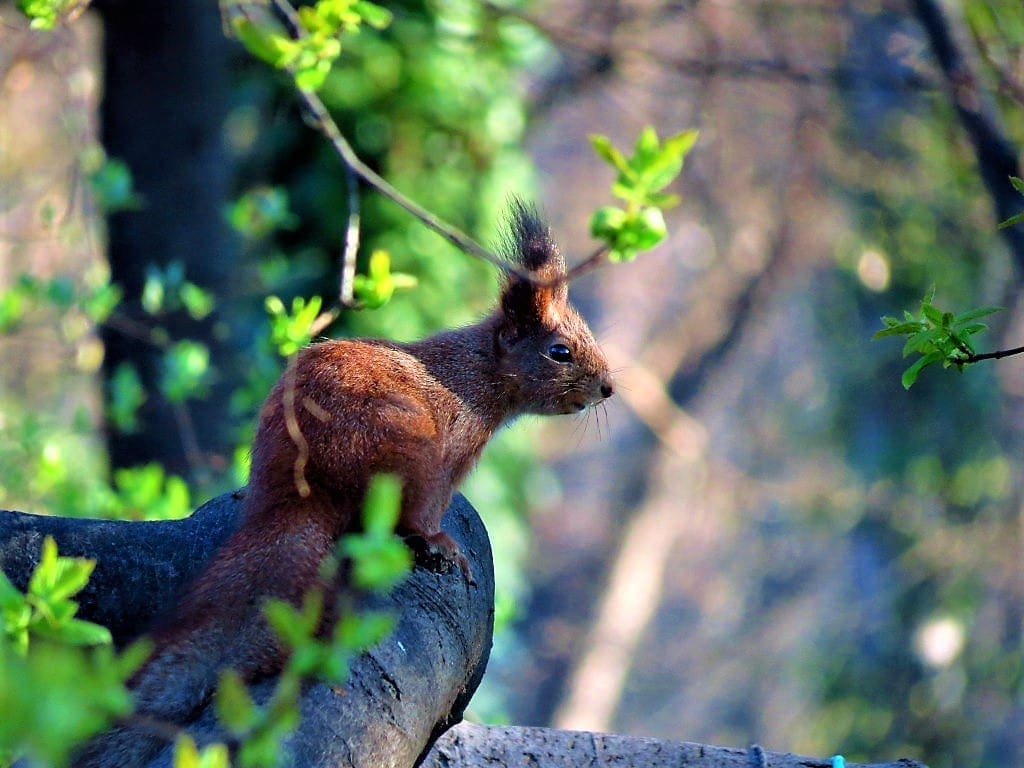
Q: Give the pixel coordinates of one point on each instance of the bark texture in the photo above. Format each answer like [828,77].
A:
[468,745]
[398,698]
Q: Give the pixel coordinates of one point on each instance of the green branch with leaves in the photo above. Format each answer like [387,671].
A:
[937,336]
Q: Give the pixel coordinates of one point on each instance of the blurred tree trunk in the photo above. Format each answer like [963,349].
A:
[997,156]
[165,101]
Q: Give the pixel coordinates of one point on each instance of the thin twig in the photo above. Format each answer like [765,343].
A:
[453,235]
[596,260]
[321,117]
[348,254]
[999,354]
[187,433]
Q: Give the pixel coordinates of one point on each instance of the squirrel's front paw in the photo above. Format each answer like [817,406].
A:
[439,552]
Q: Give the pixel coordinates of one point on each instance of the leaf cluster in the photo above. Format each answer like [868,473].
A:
[261,210]
[641,178]
[83,306]
[936,336]
[46,610]
[292,330]
[44,14]
[55,693]
[167,290]
[375,288]
[379,558]
[311,53]
[58,696]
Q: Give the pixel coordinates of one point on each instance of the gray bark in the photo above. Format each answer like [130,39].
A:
[467,746]
[398,698]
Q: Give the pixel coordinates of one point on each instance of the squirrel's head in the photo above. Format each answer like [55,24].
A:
[543,345]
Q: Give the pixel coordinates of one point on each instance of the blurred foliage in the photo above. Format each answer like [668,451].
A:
[939,651]
[46,611]
[54,693]
[58,696]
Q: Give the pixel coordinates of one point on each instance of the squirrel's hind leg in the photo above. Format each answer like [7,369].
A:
[438,552]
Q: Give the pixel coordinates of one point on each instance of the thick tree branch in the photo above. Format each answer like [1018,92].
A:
[470,745]
[399,697]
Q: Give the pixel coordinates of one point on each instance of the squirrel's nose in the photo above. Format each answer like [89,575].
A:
[607,388]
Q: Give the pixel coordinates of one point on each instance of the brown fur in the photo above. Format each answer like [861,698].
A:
[345,412]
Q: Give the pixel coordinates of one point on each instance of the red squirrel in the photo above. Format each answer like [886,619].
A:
[346,411]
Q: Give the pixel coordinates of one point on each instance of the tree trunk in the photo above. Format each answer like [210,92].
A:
[398,698]
[166,97]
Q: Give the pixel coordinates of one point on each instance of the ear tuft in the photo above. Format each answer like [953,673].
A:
[529,303]
[529,242]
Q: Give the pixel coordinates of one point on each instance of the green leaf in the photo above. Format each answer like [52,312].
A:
[899,329]
[102,303]
[261,211]
[186,367]
[289,332]
[382,505]
[10,597]
[377,564]
[680,144]
[361,632]
[606,151]
[975,314]
[373,14]
[663,200]
[186,754]
[126,397]
[651,228]
[80,632]
[910,374]
[607,222]
[71,574]
[645,149]
[1018,183]
[268,41]
[113,187]
[198,303]
[970,330]
[931,313]
[292,625]
[923,341]
[46,571]
[378,285]
[153,291]
[13,306]
[235,707]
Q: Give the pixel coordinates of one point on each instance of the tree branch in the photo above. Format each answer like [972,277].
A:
[398,698]
[997,355]
[468,746]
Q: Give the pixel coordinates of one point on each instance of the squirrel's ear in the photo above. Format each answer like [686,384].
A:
[529,245]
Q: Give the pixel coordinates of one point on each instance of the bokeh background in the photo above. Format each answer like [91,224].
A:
[763,537]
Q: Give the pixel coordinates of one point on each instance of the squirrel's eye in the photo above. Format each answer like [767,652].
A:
[560,353]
